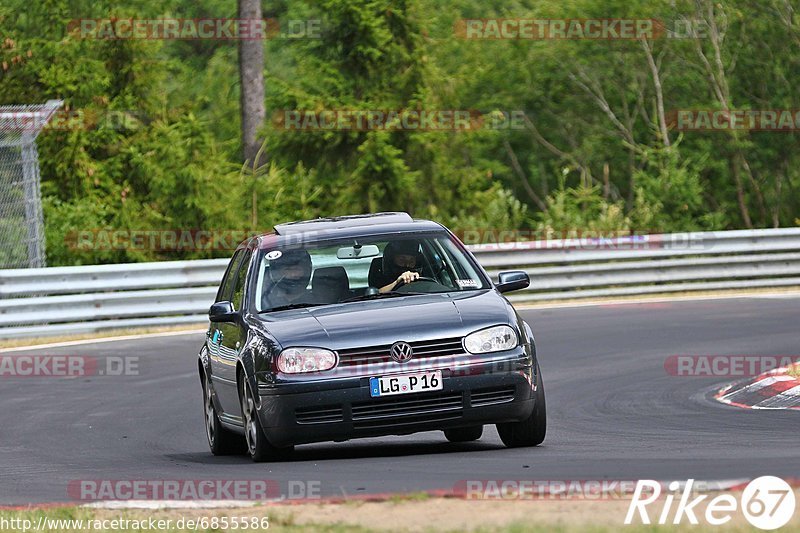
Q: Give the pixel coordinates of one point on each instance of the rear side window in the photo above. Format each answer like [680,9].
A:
[226,287]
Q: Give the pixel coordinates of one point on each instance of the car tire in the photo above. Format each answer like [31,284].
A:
[221,440]
[258,447]
[463,434]
[532,430]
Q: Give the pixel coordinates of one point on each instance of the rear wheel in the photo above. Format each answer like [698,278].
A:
[463,434]
[221,440]
[531,431]
[258,446]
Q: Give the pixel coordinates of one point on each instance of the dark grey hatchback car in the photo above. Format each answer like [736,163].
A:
[364,326]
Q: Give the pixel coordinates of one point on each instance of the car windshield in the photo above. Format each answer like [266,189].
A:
[328,272]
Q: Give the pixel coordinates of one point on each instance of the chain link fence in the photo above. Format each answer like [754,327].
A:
[21,225]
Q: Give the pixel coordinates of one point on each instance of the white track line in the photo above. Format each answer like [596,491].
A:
[660,299]
[104,339]
[703,485]
[174,504]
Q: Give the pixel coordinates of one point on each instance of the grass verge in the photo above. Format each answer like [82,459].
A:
[402,514]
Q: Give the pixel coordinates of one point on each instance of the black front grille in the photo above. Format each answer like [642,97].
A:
[380,354]
[406,409]
[396,411]
[482,397]
[319,415]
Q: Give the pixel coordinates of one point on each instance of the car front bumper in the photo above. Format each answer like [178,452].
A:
[341,409]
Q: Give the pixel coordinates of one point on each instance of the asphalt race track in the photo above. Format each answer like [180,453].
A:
[614,413]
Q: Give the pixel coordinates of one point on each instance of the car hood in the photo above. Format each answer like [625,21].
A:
[380,322]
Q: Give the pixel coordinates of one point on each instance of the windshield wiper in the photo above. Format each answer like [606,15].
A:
[390,294]
[291,306]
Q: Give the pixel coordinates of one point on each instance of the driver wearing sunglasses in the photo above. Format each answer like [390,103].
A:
[401,263]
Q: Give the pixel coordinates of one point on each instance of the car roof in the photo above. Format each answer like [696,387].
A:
[343,227]
[350,221]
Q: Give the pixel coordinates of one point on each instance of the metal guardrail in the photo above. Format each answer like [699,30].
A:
[85,299]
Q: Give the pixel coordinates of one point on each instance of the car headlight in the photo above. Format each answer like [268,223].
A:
[299,360]
[494,339]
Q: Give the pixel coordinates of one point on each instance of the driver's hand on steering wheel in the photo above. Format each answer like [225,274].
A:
[406,277]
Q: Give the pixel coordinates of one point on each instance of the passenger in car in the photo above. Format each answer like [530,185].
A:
[289,274]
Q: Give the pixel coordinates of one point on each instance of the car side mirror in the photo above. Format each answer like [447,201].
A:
[221,312]
[513,280]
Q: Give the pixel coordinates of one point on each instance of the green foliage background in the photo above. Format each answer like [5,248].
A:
[590,156]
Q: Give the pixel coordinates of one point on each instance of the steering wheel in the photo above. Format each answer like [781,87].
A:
[421,278]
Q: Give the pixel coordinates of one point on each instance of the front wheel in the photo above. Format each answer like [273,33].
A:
[531,431]
[221,440]
[258,446]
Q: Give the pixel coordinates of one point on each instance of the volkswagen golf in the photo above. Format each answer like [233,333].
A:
[365,326]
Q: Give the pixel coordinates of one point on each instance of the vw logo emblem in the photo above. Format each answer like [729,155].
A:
[401,352]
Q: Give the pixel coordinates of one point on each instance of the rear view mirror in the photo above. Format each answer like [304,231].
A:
[513,280]
[358,252]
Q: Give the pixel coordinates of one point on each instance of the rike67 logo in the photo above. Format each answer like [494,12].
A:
[767,502]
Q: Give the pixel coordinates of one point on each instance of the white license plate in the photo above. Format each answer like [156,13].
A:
[405,384]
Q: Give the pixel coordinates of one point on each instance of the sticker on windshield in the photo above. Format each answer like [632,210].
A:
[274,254]
[465,283]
